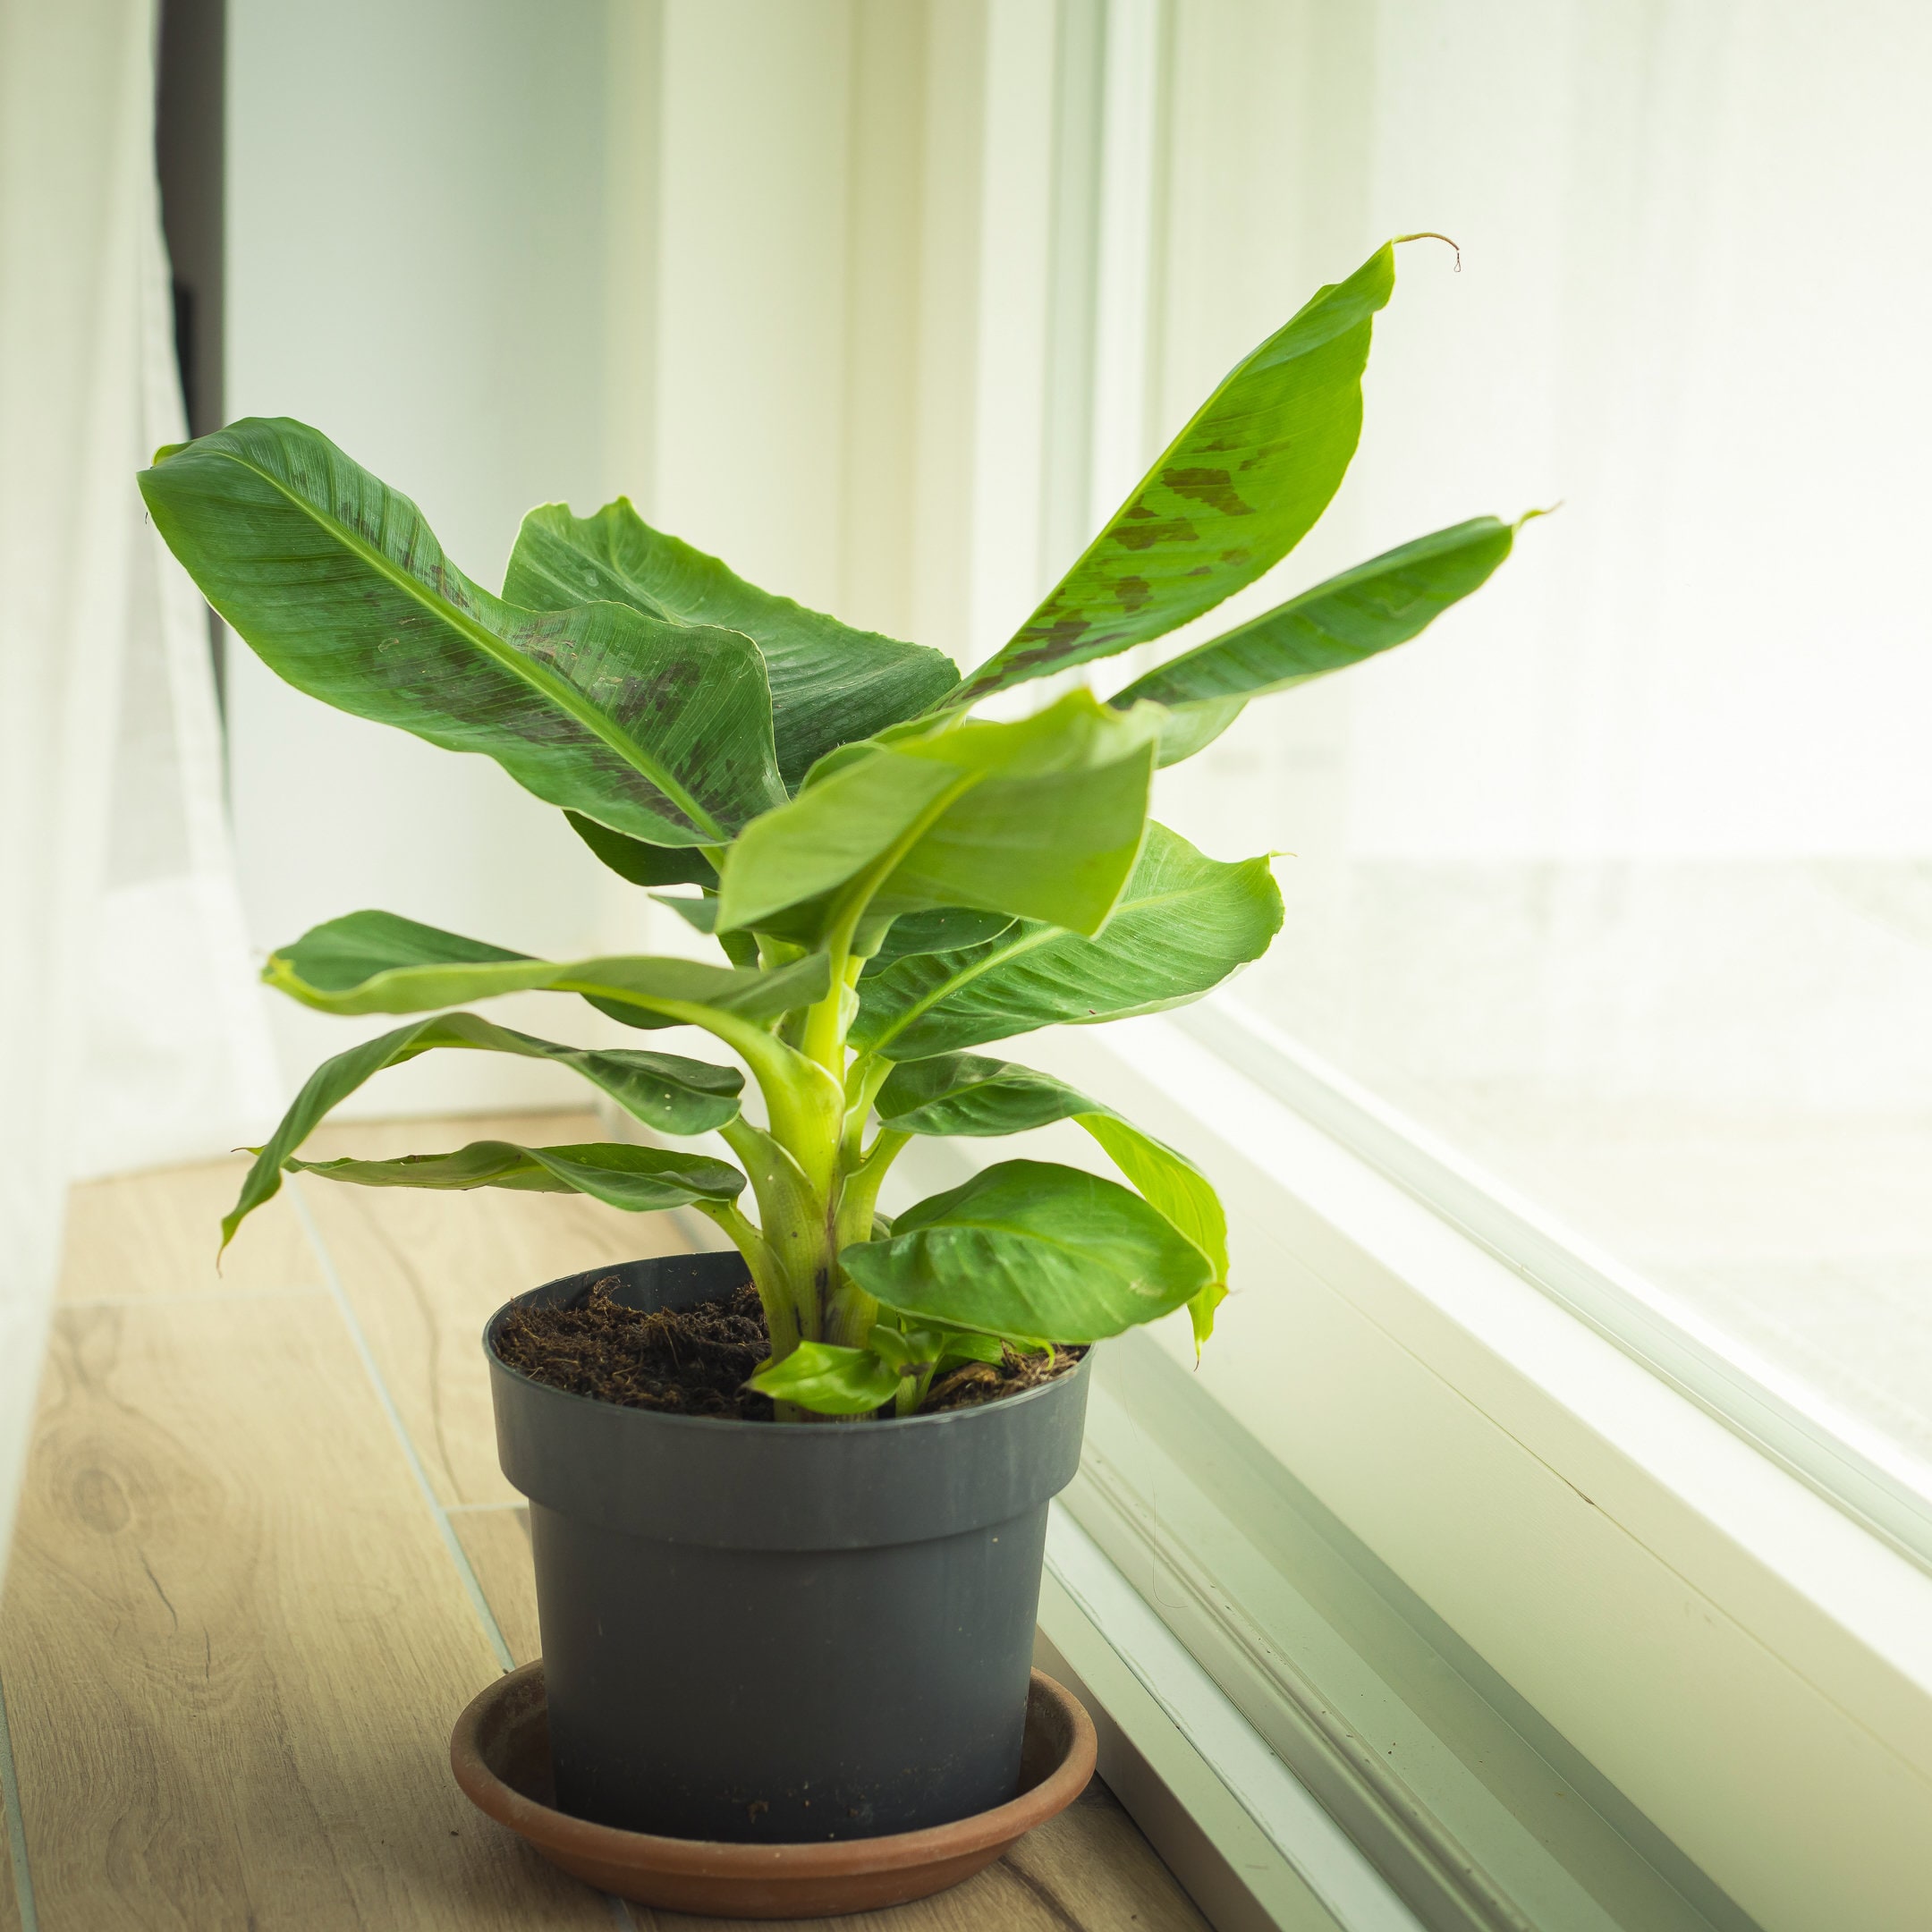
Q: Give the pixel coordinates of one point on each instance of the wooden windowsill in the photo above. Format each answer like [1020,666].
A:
[235,1633]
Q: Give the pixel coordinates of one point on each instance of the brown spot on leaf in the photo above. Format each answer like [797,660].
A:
[1135,593]
[1145,535]
[1212,488]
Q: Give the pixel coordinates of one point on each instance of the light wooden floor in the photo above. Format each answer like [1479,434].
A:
[265,1555]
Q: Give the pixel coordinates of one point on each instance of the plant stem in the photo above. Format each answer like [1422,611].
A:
[851,1311]
[781,1317]
[858,1200]
[792,1213]
[868,1074]
[825,1023]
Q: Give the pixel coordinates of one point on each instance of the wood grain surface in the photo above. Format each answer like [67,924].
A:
[234,1642]
[424,1271]
[10,1917]
[496,1540]
[157,1233]
[235,1632]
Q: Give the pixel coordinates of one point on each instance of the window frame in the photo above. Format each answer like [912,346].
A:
[1850,1465]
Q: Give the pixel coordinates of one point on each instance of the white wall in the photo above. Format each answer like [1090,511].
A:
[415,267]
[778,269]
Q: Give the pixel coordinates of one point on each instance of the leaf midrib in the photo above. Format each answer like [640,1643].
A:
[557,690]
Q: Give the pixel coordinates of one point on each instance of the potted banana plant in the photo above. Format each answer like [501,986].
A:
[800,1607]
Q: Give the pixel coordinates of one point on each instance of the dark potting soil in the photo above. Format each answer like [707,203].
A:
[694,1362]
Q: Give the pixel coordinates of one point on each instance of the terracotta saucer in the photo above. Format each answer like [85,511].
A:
[500,1751]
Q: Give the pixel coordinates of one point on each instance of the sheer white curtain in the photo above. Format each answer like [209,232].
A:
[1620,878]
[130,1033]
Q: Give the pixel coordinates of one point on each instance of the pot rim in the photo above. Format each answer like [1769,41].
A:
[1006,1404]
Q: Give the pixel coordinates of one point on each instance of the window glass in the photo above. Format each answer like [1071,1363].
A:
[1620,878]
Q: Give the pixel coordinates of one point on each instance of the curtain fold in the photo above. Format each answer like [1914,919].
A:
[130,1031]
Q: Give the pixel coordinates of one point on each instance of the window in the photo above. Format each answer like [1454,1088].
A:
[1605,987]
[1619,882]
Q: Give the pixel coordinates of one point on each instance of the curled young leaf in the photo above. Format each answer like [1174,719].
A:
[917,1349]
[828,1379]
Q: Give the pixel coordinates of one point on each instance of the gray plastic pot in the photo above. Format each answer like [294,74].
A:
[763,1632]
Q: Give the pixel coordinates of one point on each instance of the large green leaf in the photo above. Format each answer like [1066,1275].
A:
[829,683]
[1230,497]
[1184,923]
[794,859]
[976,1099]
[1039,818]
[379,962]
[1373,607]
[639,1179]
[967,1095]
[665,1091]
[1033,1249]
[655,728]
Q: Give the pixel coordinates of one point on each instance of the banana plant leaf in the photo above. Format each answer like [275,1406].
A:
[641,1180]
[945,929]
[916,1347]
[829,683]
[1033,1249]
[973,1096]
[954,817]
[829,1379]
[380,962]
[1184,923]
[1371,608]
[643,865]
[657,729]
[665,1091]
[701,916]
[1229,497]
